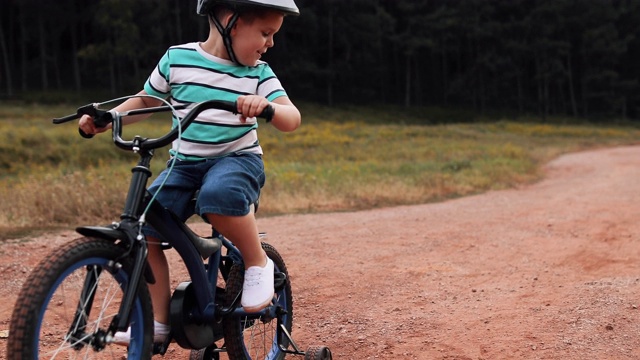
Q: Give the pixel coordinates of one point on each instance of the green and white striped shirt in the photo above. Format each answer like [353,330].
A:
[188,74]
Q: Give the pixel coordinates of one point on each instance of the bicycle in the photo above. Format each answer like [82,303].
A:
[75,300]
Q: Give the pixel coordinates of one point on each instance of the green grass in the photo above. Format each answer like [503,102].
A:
[340,159]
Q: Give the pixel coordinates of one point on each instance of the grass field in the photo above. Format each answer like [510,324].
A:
[341,159]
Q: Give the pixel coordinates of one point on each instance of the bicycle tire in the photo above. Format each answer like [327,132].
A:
[43,317]
[255,338]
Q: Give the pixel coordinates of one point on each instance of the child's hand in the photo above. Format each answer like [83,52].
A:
[87,125]
[250,106]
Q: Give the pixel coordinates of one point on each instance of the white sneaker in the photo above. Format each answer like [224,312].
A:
[160,333]
[257,290]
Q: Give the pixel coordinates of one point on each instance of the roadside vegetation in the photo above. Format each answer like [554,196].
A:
[341,159]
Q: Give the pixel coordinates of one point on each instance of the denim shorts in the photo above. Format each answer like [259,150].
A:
[228,186]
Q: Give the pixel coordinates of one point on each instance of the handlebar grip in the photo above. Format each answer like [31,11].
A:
[268,113]
[102,118]
[84,134]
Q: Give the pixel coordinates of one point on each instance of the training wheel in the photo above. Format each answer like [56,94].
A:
[318,353]
[205,354]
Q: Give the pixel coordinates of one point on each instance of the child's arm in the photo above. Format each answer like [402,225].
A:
[286,117]
[87,125]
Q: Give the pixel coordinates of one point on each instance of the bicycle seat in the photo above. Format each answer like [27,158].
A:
[206,246]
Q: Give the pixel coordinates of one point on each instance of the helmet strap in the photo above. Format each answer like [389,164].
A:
[225,32]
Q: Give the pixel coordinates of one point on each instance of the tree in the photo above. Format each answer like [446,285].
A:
[548,57]
[7,66]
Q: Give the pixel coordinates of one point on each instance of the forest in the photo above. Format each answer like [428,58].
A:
[577,58]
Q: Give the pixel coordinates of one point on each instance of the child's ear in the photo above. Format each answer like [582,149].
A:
[234,28]
[226,18]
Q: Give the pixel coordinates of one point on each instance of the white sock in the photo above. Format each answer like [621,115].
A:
[160,328]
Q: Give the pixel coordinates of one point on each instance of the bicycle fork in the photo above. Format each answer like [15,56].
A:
[77,335]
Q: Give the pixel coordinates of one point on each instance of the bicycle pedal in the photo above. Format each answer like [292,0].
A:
[159,349]
[162,347]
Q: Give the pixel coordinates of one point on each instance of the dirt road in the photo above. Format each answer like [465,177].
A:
[546,271]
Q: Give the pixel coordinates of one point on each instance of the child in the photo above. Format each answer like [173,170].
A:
[219,153]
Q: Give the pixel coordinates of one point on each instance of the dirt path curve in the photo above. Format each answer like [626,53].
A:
[546,271]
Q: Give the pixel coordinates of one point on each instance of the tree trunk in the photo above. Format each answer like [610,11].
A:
[445,73]
[330,60]
[54,58]
[44,76]
[407,88]
[418,94]
[75,63]
[520,92]
[23,48]
[572,90]
[74,60]
[5,60]
[112,73]
[177,16]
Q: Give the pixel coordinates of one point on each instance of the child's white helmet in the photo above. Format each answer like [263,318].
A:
[205,7]
[288,7]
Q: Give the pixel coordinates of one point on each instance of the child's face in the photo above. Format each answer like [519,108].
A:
[252,37]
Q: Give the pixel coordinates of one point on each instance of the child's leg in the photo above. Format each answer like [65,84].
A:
[160,295]
[160,291]
[226,196]
[176,194]
[257,290]
[243,232]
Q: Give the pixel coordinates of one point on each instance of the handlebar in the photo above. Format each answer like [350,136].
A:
[103,118]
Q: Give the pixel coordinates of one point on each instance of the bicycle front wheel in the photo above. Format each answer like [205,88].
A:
[68,302]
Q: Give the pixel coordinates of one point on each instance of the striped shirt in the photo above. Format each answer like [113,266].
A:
[187,74]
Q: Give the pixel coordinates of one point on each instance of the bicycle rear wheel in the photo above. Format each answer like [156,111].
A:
[67,304]
[257,337]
